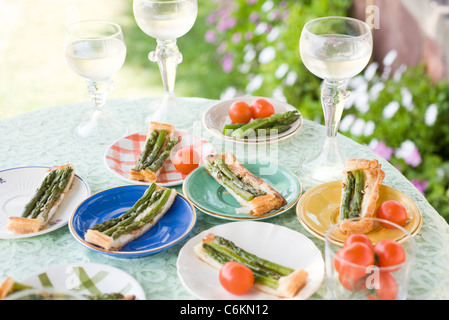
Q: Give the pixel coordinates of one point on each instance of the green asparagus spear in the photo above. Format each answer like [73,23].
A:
[48,194]
[164,155]
[129,214]
[284,271]
[229,128]
[250,128]
[156,208]
[356,201]
[148,147]
[248,196]
[56,191]
[265,272]
[223,168]
[39,193]
[347,195]
[156,149]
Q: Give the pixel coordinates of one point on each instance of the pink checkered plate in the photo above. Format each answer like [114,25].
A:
[122,155]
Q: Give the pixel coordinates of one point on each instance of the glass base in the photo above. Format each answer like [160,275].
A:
[100,130]
[171,112]
[327,165]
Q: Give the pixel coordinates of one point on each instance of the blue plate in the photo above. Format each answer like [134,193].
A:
[173,227]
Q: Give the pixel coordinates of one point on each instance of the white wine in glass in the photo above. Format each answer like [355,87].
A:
[167,20]
[95,50]
[334,49]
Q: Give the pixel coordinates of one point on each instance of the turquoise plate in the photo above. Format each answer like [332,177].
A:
[213,199]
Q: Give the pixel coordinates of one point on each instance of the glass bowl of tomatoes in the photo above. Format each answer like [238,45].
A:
[366,266]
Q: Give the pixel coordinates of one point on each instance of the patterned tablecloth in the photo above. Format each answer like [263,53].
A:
[45,137]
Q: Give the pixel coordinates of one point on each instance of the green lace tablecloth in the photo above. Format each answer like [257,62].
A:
[45,137]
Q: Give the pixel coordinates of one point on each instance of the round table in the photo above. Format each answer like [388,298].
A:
[45,137]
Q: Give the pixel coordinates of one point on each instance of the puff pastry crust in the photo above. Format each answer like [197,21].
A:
[258,206]
[373,177]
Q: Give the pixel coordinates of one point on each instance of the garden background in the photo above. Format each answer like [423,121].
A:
[398,107]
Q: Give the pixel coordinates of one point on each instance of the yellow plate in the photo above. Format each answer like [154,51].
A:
[318,210]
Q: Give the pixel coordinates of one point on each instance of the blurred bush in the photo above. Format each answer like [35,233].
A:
[250,47]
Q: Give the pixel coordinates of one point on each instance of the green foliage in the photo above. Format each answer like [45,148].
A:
[256,51]
[261,28]
[421,119]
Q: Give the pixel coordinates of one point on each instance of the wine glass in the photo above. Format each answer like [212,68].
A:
[167,20]
[334,49]
[95,50]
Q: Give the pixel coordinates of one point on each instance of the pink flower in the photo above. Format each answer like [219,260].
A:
[252,1]
[210,36]
[383,150]
[226,23]
[236,37]
[414,158]
[211,18]
[248,35]
[421,185]
[253,17]
[409,152]
[227,63]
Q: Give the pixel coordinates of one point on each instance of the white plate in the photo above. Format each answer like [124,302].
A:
[86,279]
[121,157]
[17,187]
[272,242]
[216,117]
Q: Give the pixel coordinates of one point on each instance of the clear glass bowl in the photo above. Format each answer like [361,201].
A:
[372,282]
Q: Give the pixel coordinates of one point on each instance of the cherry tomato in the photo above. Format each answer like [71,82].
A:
[389,253]
[352,284]
[236,278]
[261,108]
[385,288]
[240,112]
[353,260]
[358,237]
[186,160]
[393,211]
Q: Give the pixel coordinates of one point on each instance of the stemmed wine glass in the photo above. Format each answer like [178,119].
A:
[95,50]
[167,20]
[334,49]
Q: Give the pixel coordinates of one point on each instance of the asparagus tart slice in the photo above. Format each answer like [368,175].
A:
[114,233]
[39,211]
[360,190]
[254,194]
[10,286]
[160,141]
[269,277]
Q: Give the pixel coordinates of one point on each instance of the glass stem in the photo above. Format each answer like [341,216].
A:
[333,99]
[168,57]
[99,90]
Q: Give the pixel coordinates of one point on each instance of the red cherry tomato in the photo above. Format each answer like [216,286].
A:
[353,260]
[352,284]
[186,160]
[261,108]
[236,278]
[385,288]
[393,211]
[358,237]
[389,253]
[240,112]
